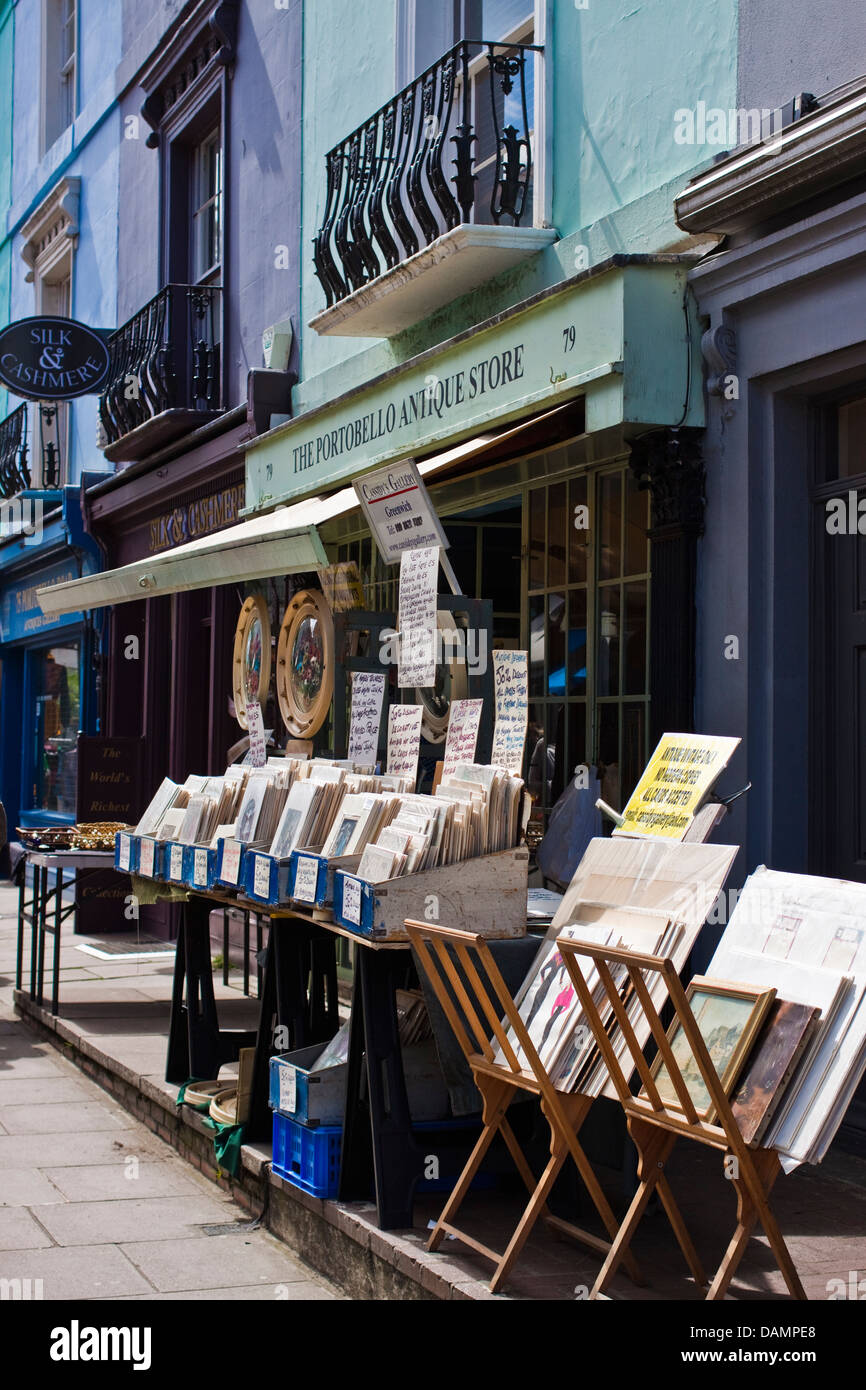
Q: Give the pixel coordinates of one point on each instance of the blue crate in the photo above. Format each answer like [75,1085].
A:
[199,866]
[173,862]
[308,878]
[126,850]
[266,879]
[354,903]
[226,874]
[151,859]
[308,1158]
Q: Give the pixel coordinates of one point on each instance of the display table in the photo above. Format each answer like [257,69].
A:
[47,913]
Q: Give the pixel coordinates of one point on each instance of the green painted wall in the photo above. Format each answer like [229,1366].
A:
[619,70]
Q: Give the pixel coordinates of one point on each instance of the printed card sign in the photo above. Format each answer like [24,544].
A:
[262,876]
[399,511]
[368,694]
[306,876]
[176,863]
[258,743]
[231,862]
[404,740]
[146,859]
[352,900]
[675,781]
[288,1090]
[199,868]
[123,856]
[462,737]
[419,571]
[511,688]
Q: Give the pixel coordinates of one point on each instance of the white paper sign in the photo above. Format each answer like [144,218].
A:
[419,571]
[199,868]
[258,754]
[368,693]
[399,511]
[262,876]
[231,861]
[352,900]
[123,856]
[404,739]
[176,862]
[306,877]
[288,1090]
[511,688]
[148,853]
[462,733]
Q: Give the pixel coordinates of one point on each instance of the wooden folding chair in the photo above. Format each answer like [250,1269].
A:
[466,1003]
[655,1126]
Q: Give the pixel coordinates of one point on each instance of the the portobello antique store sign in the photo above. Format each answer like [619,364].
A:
[616,335]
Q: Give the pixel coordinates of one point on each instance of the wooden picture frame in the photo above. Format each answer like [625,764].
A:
[305,663]
[748,1006]
[251,659]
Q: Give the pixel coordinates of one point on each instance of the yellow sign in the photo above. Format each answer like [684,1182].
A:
[675,781]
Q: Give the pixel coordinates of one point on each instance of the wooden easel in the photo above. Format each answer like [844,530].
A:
[466,1002]
[655,1126]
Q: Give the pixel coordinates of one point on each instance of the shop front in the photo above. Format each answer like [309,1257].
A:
[48,692]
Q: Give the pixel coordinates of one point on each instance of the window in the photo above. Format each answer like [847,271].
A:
[58,69]
[206,211]
[57,715]
[50,237]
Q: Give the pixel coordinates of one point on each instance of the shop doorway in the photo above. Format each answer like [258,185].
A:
[838,838]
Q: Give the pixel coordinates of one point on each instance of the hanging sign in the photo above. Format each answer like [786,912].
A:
[462,736]
[675,781]
[258,753]
[419,572]
[399,511]
[368,694]
[511,688]
[404,740]
[46,358]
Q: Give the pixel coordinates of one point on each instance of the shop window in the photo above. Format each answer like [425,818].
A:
[56,722]
[58,69]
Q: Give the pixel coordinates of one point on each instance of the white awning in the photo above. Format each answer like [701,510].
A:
[255,549]
[284,541]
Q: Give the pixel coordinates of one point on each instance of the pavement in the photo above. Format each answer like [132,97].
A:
[92,1204]
[73,1214]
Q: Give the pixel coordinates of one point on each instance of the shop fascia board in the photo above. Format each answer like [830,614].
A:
[822,149]
[635,375]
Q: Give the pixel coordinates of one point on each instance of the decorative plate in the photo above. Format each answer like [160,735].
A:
[251,665]
[305,663]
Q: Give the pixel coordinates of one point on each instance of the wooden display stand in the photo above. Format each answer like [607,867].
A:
[466,1002]
[655,1126]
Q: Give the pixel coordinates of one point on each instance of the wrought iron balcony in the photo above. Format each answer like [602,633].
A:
[14,469]
[165,371]
[390,192]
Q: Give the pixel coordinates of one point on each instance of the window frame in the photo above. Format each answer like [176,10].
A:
[59,75]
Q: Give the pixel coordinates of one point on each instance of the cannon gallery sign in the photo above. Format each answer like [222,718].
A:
[48,358]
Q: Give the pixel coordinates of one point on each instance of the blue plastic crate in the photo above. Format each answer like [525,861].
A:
[309,1158]
[230,863]
[151,859]
[173,862]
[199,866]
[126,847]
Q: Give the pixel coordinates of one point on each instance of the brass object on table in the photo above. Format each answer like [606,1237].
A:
[96,835]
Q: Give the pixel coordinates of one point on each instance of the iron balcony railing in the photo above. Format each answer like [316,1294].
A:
[388,187]
[166,357]
[14,468]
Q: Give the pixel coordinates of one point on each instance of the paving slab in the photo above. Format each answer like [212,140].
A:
[31,1091]
[94,1271]
[302,1291]
[99,1146]
[70,1119]
[192,1263]
[107,1182]
[25,1187]
[136,1219]
[19,1230]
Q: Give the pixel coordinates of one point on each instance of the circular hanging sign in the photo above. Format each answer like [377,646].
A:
[251,665]
[46,358]
[305,664]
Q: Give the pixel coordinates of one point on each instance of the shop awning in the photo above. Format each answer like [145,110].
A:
[263,546]
[284,541]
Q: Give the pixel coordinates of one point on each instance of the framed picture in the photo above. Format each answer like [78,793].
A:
[729,1016]
[251,661]
[305,664]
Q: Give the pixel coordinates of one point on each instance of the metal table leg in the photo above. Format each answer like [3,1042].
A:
[22,902]
[34,927]
[55,988]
